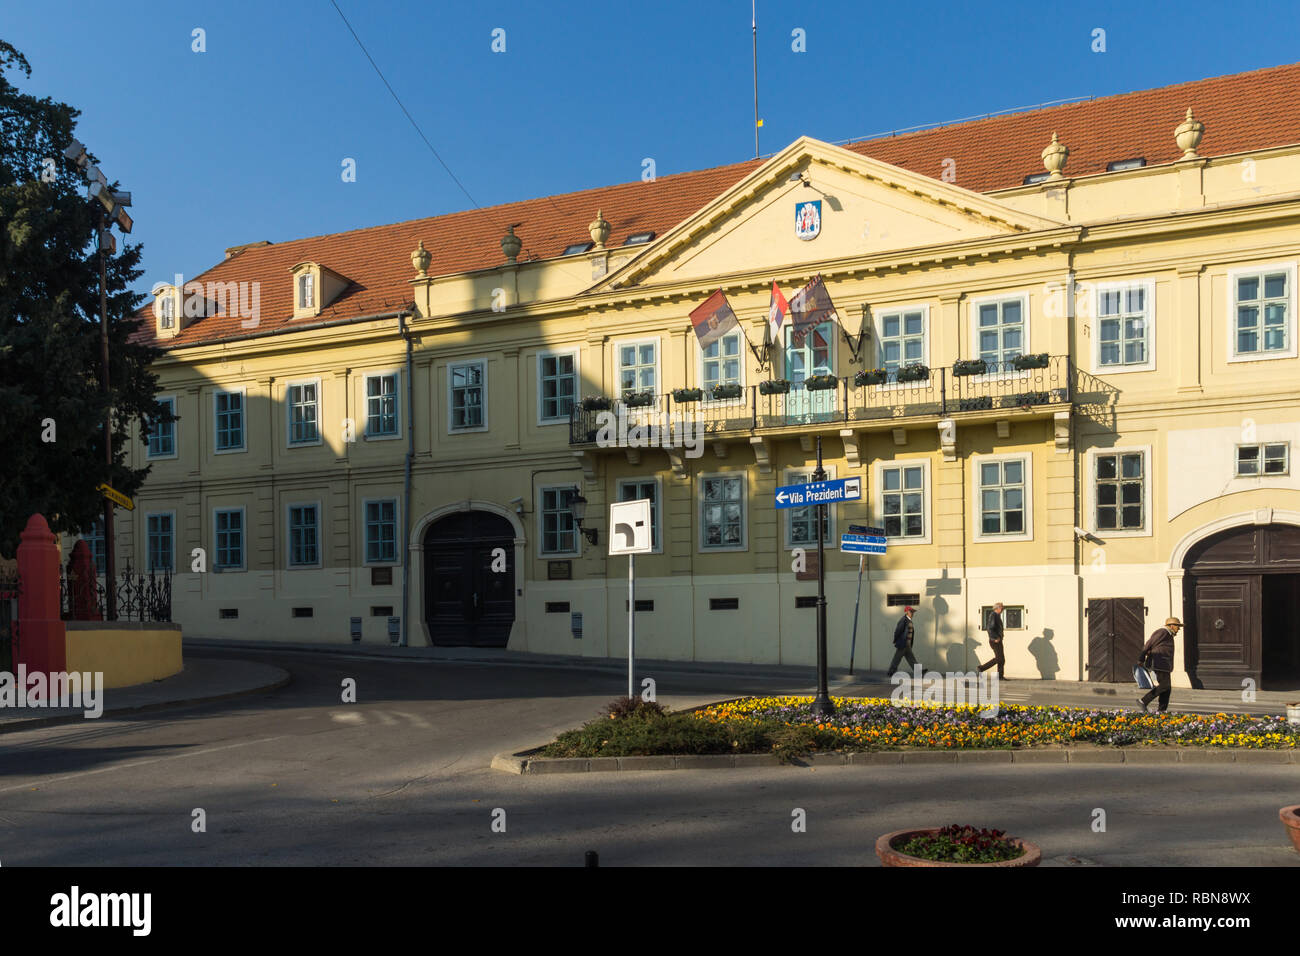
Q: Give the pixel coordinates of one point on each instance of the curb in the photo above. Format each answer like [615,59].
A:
[523,762]
[32,723]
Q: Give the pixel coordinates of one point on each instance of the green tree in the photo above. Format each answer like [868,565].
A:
[50,369]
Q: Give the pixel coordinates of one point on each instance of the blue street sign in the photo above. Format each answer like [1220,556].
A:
[865,538]
[860,547]
[819,493]
[865,529]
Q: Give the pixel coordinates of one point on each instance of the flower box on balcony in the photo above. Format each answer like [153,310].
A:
[777,386]
[638,399]
[820,383]
[975,404]
[1022,362]
[969,367]
[682,396]
[1026,399]
[597,403]
[913,373]
[727,391]
[871,376]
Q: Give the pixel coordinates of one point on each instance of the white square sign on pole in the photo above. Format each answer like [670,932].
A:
[629,533]
[629,527]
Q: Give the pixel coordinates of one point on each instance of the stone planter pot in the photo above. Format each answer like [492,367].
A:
[1290,817]
[891,857]
[1293,714]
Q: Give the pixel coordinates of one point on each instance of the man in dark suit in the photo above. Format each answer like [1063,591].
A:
[1159,651]
[903,635]
[995,641]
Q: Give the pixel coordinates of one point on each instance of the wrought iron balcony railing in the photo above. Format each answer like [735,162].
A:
[940,393]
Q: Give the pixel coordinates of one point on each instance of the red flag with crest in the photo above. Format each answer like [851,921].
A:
[776,312]
[809,308]
[713,319]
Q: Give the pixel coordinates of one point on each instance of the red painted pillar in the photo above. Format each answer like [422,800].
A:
[41,643]
[81,581]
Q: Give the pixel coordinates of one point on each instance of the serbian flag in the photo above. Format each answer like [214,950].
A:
[776,312]
[713,319]
[809,308]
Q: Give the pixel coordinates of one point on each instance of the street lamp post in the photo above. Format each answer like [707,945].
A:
[112,208]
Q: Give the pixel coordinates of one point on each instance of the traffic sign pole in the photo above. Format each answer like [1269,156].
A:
[853,646]
[631,624]
[822,704]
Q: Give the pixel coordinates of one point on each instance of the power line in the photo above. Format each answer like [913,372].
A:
[403,107]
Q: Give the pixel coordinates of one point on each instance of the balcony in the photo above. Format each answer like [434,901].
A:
[994,394]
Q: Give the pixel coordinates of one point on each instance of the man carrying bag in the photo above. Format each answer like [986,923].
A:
[1159,655]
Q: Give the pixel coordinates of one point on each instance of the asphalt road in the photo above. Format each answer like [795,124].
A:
[297,777]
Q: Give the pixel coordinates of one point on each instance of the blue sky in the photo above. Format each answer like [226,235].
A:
[246,141]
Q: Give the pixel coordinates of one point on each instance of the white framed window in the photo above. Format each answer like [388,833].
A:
[94,539]
[1013,617]
[306,291]
[1264,459]
[801,523]
[467,403]
[722,363]
[634,489]
[167,311]
[302,403]
[722,512]
[162,435]
[382,419]
[1262,312]
[228,416]
[1119,491]
[1003,503]
[813,357]
[159,540]
[380,516]
[303,539]
[557,386]
[903,500]
[1124,327]
[559,531]
[902,337]
[228,534]
[638,366]
[999,328]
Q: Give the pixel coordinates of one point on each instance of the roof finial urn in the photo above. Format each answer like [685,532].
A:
[1188,135]
[1054,157]
[511,244]
[420,258]
[599,230]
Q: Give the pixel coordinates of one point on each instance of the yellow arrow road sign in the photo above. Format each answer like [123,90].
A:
[116,497]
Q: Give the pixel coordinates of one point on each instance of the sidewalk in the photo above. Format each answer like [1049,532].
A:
[786,679]
[201,681]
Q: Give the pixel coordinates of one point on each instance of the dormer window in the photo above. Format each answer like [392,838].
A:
[167,315]
[315,288]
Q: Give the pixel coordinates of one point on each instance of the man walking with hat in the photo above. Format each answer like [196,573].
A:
[903,635]
[1159,651]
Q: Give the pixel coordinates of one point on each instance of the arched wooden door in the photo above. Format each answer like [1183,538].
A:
[469,580]
[1242,609]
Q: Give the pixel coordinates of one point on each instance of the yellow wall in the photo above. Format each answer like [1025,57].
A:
[125,654]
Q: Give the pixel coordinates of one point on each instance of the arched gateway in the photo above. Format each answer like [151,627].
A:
[466,601]
[1242,607]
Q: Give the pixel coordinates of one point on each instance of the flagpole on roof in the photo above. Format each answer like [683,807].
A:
[753,10]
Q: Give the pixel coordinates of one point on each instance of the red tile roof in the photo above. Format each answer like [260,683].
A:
[1244,111]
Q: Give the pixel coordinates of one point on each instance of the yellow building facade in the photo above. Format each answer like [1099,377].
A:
[1123,455]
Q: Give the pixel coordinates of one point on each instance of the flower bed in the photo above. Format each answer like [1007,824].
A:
[958,844]
[880,724]
[788,727]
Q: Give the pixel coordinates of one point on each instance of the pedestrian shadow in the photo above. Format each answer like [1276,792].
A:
[1044,653]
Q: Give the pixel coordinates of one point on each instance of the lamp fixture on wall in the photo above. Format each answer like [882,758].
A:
[578,507]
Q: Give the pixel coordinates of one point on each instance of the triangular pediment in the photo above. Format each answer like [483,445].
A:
[868,209]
